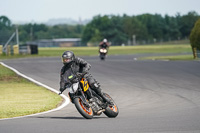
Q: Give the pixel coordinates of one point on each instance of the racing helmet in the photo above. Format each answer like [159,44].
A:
[105,40]
[68,57]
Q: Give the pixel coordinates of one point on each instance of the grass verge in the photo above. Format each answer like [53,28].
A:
[113,50]
[119,50]
[176,57]
[19,97]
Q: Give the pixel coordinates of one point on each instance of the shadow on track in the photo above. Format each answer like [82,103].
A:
[69,118]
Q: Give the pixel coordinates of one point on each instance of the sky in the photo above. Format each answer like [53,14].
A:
[39,11]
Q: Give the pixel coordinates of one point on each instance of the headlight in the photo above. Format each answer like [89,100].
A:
[73,88]
[103,50]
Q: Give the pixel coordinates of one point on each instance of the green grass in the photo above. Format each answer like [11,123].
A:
[144,49]
[19,97]
[89,51]
[119,50]
[176,57]
[58,51]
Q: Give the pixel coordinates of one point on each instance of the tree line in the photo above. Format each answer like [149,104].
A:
[144,29]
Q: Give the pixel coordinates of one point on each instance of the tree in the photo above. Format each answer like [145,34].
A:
[186,23]
[4,21]
[155,25]
[97,29]
[171,29]
[195,38]
[132,26]
[6,29]
[89,33]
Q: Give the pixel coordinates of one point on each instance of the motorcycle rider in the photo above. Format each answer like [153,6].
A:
[79,66]
[104,44]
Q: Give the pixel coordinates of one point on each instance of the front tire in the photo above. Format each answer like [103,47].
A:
[82,109]
[102,56]
[111,111]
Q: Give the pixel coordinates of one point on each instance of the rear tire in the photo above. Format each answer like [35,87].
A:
[82,109]
[111,111]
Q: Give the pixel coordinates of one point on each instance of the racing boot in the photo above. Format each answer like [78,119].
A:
[96,87]
[105,99]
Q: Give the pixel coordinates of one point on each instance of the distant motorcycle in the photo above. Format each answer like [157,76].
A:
[102,53]
[86,101]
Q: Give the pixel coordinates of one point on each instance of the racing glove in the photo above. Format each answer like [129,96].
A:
[62,89]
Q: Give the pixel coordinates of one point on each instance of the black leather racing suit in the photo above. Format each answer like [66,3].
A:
[81,66]
[104,45]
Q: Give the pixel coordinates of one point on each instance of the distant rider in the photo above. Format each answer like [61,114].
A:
[78,65]
[104,44]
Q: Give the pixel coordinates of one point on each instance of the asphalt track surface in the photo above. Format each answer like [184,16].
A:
[152,96]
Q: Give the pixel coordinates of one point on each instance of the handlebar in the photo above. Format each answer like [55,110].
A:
[80,75]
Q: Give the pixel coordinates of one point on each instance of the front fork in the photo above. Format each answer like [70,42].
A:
[82,96]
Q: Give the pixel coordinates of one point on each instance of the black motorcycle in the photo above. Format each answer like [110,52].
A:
[87,102]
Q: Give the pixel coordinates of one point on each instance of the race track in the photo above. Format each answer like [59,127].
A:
[152,96]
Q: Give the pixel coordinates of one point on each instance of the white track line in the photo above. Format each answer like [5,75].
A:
[43,85]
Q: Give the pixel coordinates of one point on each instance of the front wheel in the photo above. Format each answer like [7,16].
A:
[102,57]
[111,111]
[86,112]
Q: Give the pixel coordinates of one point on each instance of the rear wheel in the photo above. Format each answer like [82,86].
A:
[112,110]
[85,111]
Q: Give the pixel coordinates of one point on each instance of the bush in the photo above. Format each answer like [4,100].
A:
[195,38]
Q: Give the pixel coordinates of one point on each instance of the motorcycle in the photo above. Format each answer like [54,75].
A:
[102,53]
[86,101]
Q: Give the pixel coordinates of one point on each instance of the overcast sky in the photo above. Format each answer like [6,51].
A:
[43,10]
